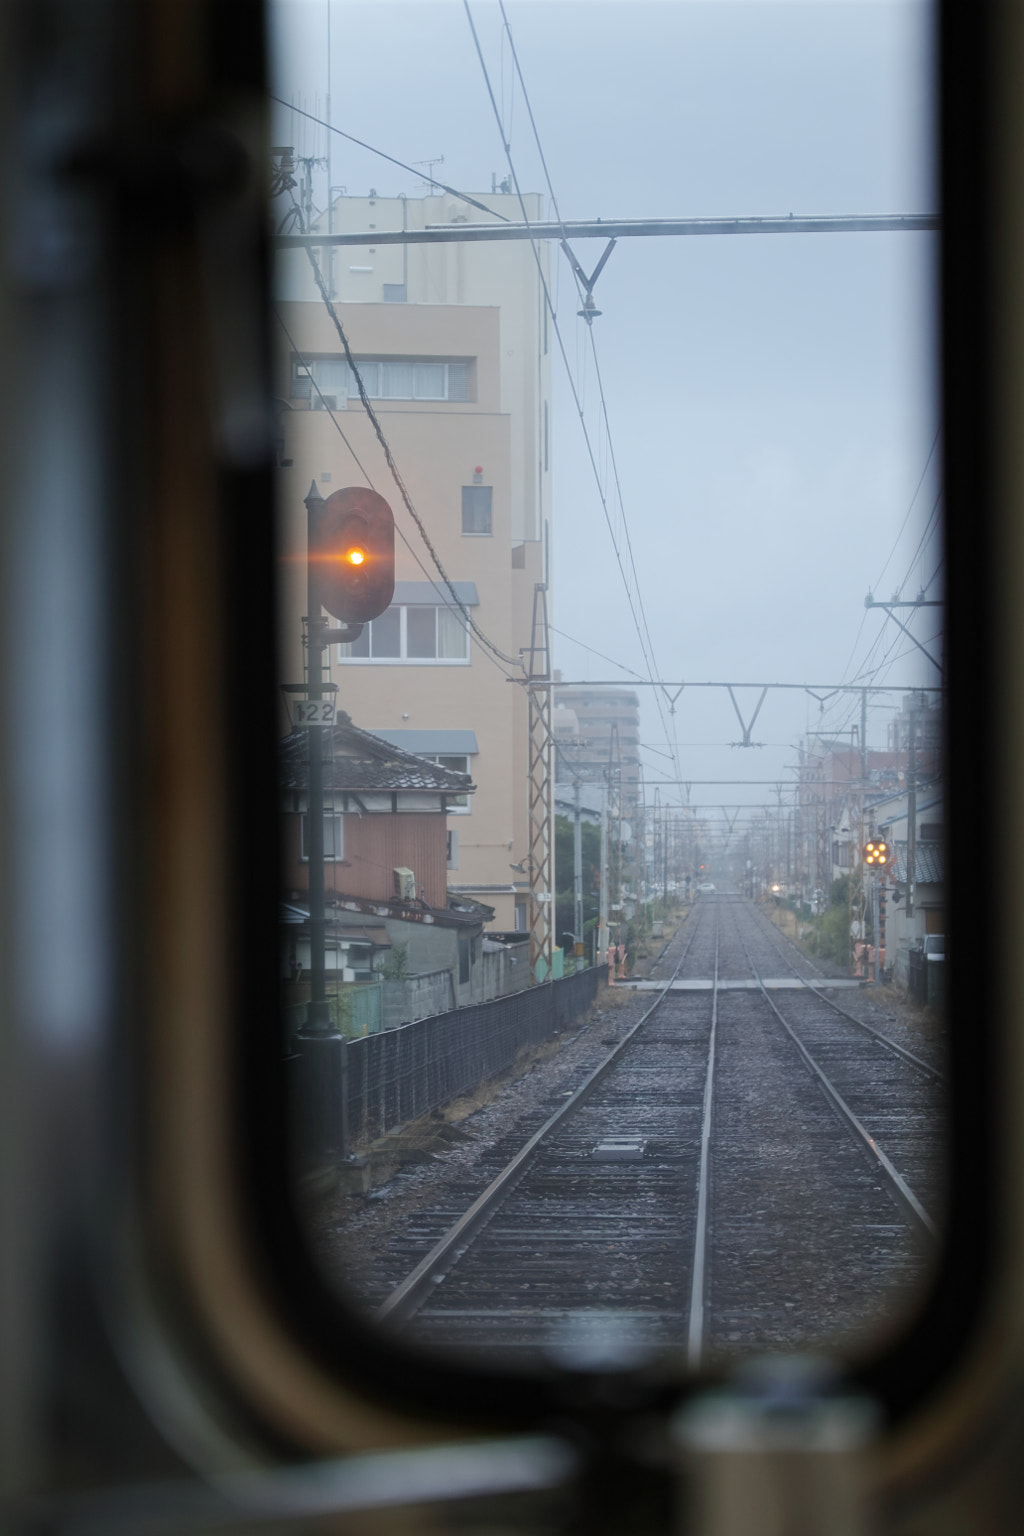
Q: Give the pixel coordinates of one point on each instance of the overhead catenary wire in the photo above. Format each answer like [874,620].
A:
[640,626]
[910,508]
[584,647]
[609,444]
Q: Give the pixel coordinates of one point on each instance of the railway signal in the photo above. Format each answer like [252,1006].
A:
[352,550]
[877,853]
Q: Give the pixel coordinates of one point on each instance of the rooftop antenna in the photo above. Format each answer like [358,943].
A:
[430,182]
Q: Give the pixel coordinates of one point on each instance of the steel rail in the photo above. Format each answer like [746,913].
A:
[422,1281]
[695,1335]
[882,1038]
[899,1183]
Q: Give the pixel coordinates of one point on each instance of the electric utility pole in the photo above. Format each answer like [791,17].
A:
[577,870]
[912,808]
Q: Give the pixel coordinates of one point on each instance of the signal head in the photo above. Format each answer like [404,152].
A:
[352,550]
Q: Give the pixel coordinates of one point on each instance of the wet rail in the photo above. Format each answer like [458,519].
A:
[867,1084]
[790,956]
[603,1188]
[718,1182]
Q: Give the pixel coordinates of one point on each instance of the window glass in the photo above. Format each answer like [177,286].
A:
[369,372]
[452,634]
[457,764]
[396,381]
[421,631]
[334,376]
[429,381]
[385,634]
[417,633]
[476,509]
[358,647]
[334,842]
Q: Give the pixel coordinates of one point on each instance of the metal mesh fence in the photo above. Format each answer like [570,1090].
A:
[402,1073]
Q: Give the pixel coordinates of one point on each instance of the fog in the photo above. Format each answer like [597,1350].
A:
[772,399]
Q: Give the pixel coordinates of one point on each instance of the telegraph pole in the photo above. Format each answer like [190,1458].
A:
[602,920]
[912,809]
[577,869]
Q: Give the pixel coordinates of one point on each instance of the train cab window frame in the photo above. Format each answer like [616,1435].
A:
[882,1370]
[294,1366]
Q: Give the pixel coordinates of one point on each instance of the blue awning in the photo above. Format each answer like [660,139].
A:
[431,743]
[413,592]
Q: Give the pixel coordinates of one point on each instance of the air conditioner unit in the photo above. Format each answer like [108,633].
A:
[405,884]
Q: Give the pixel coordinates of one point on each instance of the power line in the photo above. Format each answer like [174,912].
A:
[583,647]
[323,399]
[910,509]
[597,366]
[512,661]
[483,643]
[644,646]
[452,191]
[923,539]
[366,476]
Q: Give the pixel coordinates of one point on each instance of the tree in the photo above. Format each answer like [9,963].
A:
[564,867]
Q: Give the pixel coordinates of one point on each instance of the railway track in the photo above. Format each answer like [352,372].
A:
[743,1170]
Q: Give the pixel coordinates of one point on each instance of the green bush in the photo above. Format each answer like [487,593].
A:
[830,936]
[393,966]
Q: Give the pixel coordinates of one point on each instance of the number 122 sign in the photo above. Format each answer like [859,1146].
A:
[313,712]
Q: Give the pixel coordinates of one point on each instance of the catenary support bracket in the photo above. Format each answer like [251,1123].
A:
[744,727]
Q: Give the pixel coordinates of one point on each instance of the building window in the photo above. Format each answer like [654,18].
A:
[457,764]
[334,838]
[328,382]
[476,509]
[453,850]
[411,633]
[464,959]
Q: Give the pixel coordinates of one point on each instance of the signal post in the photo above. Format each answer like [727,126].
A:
[877,858]
[350,571]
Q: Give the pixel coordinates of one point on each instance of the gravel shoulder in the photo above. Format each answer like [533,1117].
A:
[451,1153]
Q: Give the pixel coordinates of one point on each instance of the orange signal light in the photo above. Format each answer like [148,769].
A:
[352,554]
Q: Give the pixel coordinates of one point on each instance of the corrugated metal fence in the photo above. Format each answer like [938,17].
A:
[402,1073]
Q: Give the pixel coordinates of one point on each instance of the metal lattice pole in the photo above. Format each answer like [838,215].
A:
[541,793]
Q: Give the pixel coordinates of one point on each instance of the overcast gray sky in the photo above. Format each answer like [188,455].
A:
[772,399]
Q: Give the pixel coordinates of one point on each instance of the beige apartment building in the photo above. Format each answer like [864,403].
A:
[451,342]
